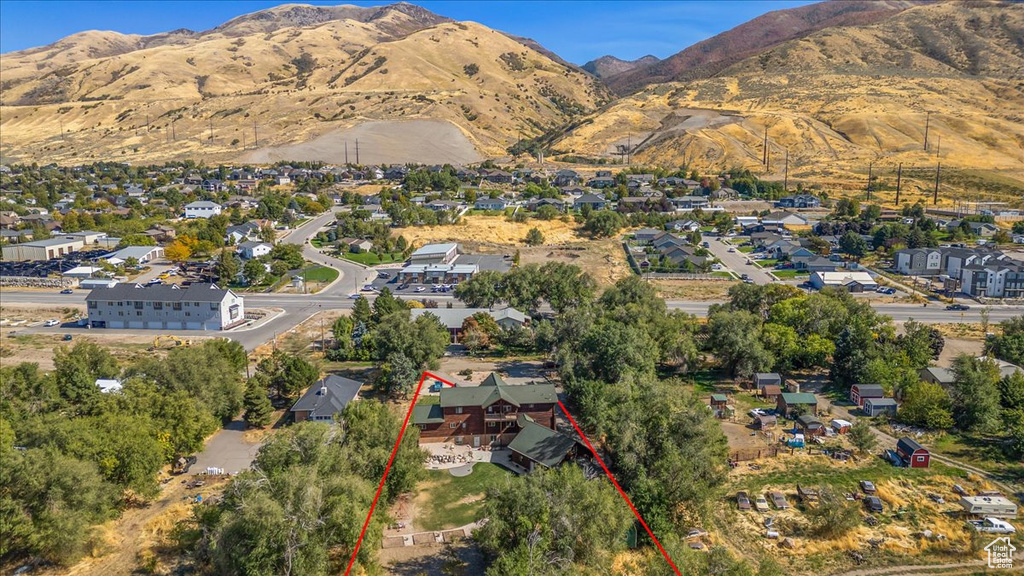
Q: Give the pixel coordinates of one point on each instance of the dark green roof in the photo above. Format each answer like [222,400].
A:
[427,414]
[492,389]
[719,397]
[540,444]
[799,398]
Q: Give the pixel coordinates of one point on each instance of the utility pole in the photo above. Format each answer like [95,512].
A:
[938,146]
[357,150]
[174,135]
[935,197]
[899,175]
[785,177]
[927,118]
[62,129]
[870,166]
[764,148]
[768,159]
[256,135]
[629,149]
[346,152]
[211,130]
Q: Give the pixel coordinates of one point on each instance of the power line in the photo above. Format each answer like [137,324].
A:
[935,197]
[927,118]
[899,175]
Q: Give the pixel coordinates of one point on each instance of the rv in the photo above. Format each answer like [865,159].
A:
[989,506]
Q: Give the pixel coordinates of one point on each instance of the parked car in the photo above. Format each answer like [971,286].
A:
[937,499]
[732,249]
[958,307]
[755,412]
[993,526]
[867,486]
[436,386]
[403,285]
[742,501]
[420,289]
[49,323]
[873,504]
[384,275]
[960,490]
[778,500]
[744,277]
[66,338]
[67,291]
[761,504]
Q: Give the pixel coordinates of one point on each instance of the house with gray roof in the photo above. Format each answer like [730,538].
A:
[326,398]
[453,318]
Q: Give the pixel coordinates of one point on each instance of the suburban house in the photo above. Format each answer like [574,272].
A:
[937,375]
[325,398]
[799,201]
[686,203]
[646,234]
[165,307]
[242,232]
[861,392]
[202,209]
[875,406]
[913,454]
[487,414]
[791,402]
[250,250]
[593,200]
[720,405]
[453,318]
[490,204]
[810,425]
[683,226]
[783,219]
[919,262]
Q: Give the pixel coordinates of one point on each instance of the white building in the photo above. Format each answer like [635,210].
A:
[435,254]
[852,281]
[250,250]
[165,307]
[202,209]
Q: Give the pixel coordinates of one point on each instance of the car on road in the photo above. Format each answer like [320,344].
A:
[420,289]
[993,526]
[748,281]
[50,323]
[761,504]
[778,500]
[742,501]
[355,296]
[403,285]
[67,291]
[867,486]
[706,245]
[873,504]
[67,338]
[958,307]
[368,288]
[383,274]
[732,249]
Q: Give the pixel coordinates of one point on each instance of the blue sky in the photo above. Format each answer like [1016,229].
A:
[577,31]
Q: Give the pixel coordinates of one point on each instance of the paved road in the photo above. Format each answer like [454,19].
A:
[353,275]
[737,261]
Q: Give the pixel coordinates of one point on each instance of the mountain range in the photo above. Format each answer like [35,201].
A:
[832,86]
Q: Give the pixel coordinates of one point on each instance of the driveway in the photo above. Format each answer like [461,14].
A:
[737,261]
[228,449]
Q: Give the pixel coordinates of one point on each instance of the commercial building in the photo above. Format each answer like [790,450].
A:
[42,249]
[435,254]
[852,281]
[165,307]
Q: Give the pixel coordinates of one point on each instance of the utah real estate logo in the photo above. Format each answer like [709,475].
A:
[1000,553]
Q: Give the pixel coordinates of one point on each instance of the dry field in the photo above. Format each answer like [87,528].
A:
[694,290]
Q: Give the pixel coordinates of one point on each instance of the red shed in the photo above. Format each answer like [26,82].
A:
[861,392]
[913,454]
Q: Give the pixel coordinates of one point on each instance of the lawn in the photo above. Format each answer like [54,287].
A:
[767,262]
[746,249]
[319,274]
[451,502]
[790,273]
[371,259]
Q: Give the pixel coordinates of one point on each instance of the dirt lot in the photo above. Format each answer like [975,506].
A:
[427,560]
[38,348]
[697,290]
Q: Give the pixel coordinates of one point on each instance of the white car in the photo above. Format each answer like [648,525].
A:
[49,323]
[757,412]
[420,289]
[732,249]
[994,526]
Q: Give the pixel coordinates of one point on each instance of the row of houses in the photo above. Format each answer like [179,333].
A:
[979,272]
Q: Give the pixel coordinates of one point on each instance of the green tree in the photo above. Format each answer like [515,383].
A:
[77,369]
[975,394]
[604,224]
[398,375]
[926,404]
[853,244]
[386,304]
[735,339]
[534,237]
[254,272]
[833,515]
[227,266]
[361,312]
[257,405]
[481,290]
[862,436]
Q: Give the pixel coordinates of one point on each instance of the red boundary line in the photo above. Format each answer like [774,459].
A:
[398,442]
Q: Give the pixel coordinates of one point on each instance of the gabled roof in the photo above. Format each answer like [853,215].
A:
[908,444]
[427,414]
[492,389]
[799,398]
[327,396]
[863,389]
[539,443]
[159,293]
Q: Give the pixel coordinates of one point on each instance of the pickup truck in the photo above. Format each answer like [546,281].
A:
[993,526]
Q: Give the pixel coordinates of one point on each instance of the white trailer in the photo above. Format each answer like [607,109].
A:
[989,506]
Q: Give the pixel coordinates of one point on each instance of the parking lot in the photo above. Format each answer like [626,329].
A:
[387,276]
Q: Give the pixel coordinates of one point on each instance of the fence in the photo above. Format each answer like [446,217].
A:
[754,454]
[687,276]
[30,282]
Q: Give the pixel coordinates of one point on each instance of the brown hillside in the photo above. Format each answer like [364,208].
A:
[298,72]
[707,58]
[608,66]
[841,98]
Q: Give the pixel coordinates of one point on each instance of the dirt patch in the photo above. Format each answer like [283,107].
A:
[697,290]
[470,499]
[381,142]
[16,347]
[742,437]
[957,346]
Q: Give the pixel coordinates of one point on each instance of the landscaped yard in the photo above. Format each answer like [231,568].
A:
[746,249]
[790,273]
[447,502]
[371,258]
[319,274]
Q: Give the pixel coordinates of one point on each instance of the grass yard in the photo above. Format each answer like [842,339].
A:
[746,249]
[768,262]
[785,274]
[371,259]
[981,452]
[320,274]
[448,502]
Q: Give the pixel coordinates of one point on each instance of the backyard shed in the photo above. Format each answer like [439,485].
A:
[913,454]
[875,406]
